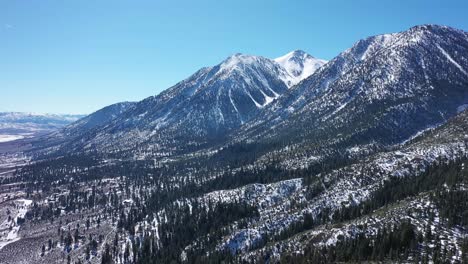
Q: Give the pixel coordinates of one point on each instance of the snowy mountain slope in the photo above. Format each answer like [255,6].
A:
[412,210]
[80,127]
[206,106]
[299,65]
[381,91]
[353,185]
[97,118]
[284,203]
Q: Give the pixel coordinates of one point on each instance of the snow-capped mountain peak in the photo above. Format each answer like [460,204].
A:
[299,65]
[207,105]
[240,62]
[236,60]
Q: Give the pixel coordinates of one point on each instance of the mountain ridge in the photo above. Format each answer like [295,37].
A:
[324,96]
[207,105]
[19,125]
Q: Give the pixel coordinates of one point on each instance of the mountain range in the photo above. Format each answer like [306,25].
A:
[203,108]
[17,125]
[286,160]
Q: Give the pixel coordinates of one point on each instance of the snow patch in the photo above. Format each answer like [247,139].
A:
[299,65]
[7,138]
[451,60]
[462,108]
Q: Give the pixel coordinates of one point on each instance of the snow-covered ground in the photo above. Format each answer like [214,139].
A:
[412,209]
[6,138]
[9,228]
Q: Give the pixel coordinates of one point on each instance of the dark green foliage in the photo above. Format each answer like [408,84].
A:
[106,256]
[453,206]
[390,244]
[440,179]
[186,225]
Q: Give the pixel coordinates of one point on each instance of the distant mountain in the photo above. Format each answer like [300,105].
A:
[380,92]
[78,129]
[17,125]
[299,65]
[96,119]
[202,108]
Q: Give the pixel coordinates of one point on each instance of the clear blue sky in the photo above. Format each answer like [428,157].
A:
[78,56]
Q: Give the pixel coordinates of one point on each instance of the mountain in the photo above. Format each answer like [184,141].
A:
[407,184]
[379,92]
[202,108]
[78,129]
[97,118]
[17,125]
[299,65]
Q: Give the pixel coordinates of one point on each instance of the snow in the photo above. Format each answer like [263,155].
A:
[352,184]
[22,115]
[379,42]
[339,108]
[451,59]
[462,108]
[276,95]
[426,77]
[255,102]
[244,240]
[295,66]
[22,205]
[417,134]
[299,65]
[7,138]
[235,61]
[268,99]
[25,202]
[235,107]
